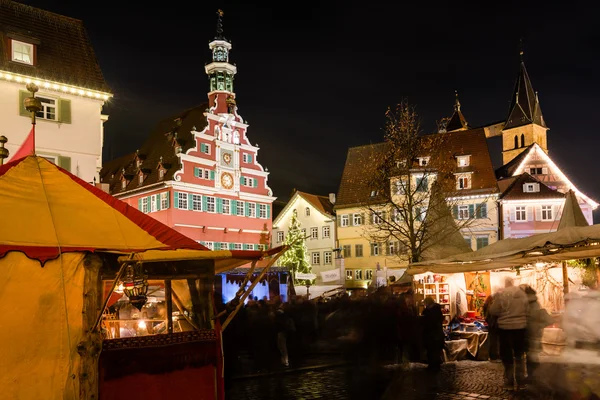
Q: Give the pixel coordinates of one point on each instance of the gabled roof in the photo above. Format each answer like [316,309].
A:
[51,211]
[517,167]
[353,190]
[514,190]
[524,106]
[319,203]
[158,149]
[457,121]
[64,52]
[508,169]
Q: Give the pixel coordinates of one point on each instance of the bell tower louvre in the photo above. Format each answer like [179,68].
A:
[525,123]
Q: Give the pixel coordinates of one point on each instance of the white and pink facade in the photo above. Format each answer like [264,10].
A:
[198,172]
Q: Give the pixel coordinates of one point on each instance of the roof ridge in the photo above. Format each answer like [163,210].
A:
[38,9]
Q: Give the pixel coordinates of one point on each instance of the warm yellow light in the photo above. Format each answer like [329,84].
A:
[55,87]
[64,88]
[142,325]
[37,83]
[72,90]
[539,264]
[80,92]
[27,80]
[8,77]
[105,97]
[46,85]
[19,79]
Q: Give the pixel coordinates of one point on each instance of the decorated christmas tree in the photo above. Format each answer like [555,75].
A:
[296,257]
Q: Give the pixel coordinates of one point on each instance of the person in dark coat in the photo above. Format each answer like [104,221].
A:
[433,333]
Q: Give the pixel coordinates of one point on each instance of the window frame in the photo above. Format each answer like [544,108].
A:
[358,250]
[326,232]
[518,211]
[43,113]
[548,209]
[307,211]
[280,236]
[182,201]
[251,209]
[375,249]
[463,161]
[462,211]
[327,258]
[345,221]
[358,275]
[225,206]
[196,202]
[347,251]
[240,207]
[26,45]
[211,204]
[316,258]
[357,219]
[164,200]
[349,274]
[314,232]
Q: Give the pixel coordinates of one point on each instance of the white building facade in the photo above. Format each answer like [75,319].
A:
[69,130]
[317,221]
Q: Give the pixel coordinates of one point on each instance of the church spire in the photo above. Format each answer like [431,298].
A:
[524,107]
[457,122]
[219,35]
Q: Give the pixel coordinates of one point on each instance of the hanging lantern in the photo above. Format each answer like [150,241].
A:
[135,285]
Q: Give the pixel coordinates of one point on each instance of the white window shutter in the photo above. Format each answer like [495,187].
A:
[538,213]
[537,187]
[511,214]
[525,190]
[557,212]
[529,213]
[545,170]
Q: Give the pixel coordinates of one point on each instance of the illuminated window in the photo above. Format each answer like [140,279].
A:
[423,161]
[153,203]
[463,182]
[349,275]
[531,187]
[22,52]
[145,208]
[358,274]
[280,236]
[463,161]
[327,258]
[368,274]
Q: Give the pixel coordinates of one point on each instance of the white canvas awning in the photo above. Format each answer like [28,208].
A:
[571,241]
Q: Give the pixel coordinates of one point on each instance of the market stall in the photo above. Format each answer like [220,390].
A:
[60,270]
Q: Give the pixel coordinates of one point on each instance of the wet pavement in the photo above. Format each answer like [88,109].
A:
[456,380]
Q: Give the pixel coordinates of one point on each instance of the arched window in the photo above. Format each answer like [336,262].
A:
[236,137]
[516,142]
[522,140]
[307,212]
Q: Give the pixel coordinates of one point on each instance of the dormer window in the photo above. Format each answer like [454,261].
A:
[22,52]
[123,183]
[141,179]
[531,187]
[161,173]
[463,182]
[423,161]
[463,161]
[138,162]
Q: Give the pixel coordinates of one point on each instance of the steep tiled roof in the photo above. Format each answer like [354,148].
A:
[159,147]
[524,106]
[457,120]
[321,203]
[508,169]
[64,52]
[514,191]
[353,189]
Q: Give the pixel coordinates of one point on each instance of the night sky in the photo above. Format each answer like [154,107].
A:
[316,79]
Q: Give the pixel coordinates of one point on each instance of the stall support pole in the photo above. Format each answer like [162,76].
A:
[169,299]
[245,295]
[565,274]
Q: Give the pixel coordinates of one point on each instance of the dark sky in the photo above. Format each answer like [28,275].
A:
[316,77]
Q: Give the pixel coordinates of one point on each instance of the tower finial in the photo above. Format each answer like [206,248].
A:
[456,102]
[521,48]
[219,24]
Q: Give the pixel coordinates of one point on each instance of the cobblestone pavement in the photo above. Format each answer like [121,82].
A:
[458,380]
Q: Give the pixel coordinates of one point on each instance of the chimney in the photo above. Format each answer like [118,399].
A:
[332,198]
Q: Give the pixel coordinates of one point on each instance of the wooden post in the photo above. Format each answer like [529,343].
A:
[565,274]
[169,300]
[91,342]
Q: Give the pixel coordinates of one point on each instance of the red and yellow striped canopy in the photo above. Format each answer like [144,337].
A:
[47,210]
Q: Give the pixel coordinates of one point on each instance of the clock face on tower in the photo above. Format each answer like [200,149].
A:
[226,180]
[227,158]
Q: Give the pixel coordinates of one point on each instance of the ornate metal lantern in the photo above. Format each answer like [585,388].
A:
[135,285]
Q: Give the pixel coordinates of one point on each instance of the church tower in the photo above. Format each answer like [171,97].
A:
[525,124]
[457,121]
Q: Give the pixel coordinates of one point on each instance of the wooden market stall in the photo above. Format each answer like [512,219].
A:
[100,300]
